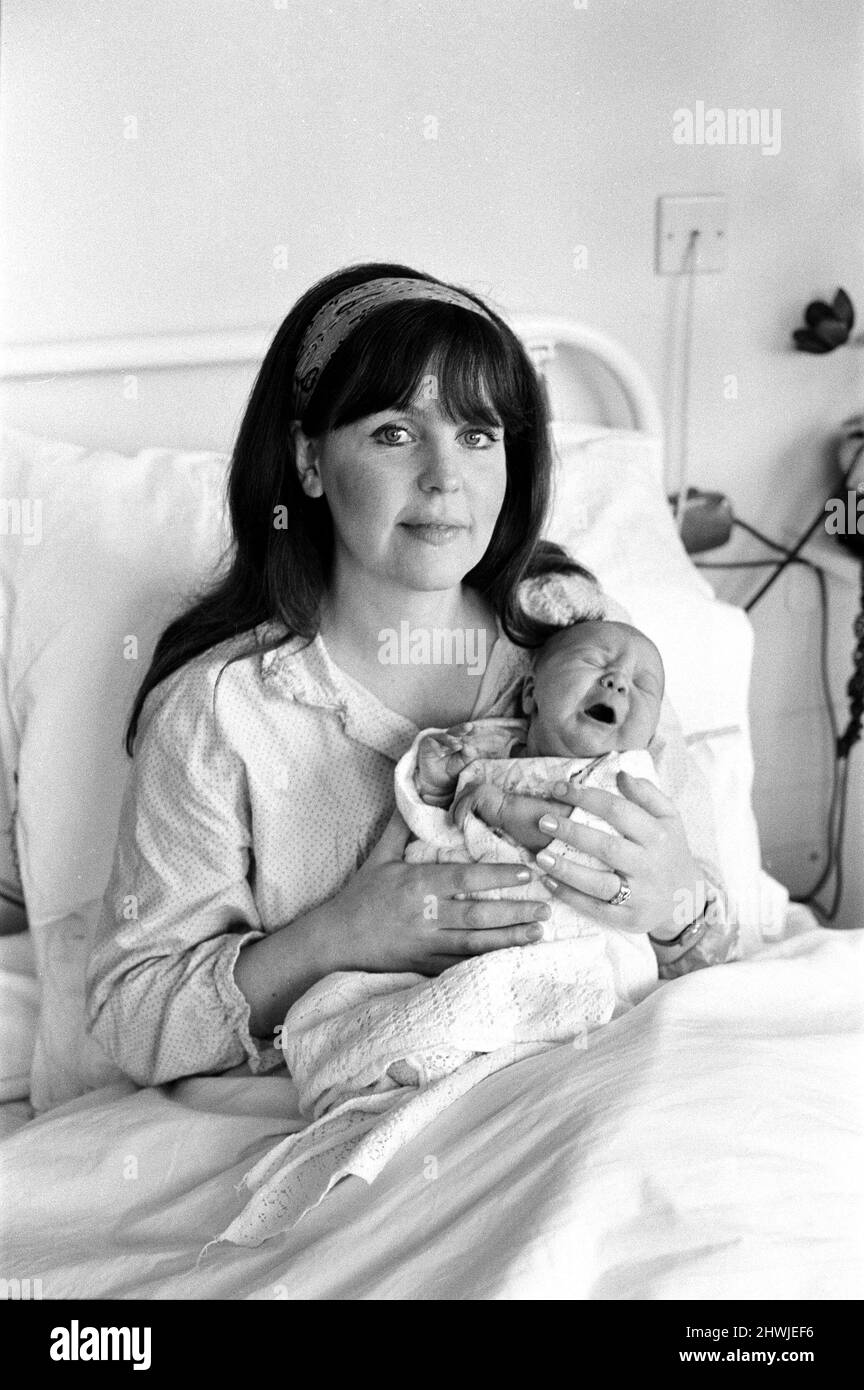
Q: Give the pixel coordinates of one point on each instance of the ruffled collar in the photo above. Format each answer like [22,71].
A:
[304,671]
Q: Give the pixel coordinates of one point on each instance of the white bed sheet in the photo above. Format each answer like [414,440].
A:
[706,1145]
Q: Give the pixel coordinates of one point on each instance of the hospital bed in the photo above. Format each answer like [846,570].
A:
[704,1145]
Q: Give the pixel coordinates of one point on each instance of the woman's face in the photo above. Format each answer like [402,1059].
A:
[414,496]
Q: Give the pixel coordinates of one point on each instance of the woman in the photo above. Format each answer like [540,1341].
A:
[392,469]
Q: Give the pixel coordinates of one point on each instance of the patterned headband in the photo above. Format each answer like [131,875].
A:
[335,320]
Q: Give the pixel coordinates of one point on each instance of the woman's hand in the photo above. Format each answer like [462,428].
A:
[650,854]
[396,916]
[389,916]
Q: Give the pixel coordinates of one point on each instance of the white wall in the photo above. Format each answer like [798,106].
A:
[306,125]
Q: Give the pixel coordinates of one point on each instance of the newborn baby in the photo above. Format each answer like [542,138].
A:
[593,703]
[596,689]
[376,1057]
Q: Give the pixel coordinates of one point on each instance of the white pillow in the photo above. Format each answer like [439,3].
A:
[115,546]
[19,1013]
[611,512]
[123,542]
[610,509]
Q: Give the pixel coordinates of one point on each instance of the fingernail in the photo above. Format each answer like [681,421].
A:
[534,933]
[561,789]
[549,824]
[523,875]
[545,859]
[551,884]
[543,912]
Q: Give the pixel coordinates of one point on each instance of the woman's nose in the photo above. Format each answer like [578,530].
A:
[440,470]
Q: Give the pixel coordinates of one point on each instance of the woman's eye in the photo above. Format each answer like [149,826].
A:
[480,439]
[387,434]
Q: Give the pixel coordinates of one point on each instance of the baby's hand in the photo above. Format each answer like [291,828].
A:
[481,799]
[483,740]
[440,759]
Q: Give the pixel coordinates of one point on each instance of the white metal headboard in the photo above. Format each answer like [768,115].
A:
[542,336]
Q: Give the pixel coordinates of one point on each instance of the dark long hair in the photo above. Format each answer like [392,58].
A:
[282,573]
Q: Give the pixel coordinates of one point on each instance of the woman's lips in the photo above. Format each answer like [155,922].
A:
[433,532]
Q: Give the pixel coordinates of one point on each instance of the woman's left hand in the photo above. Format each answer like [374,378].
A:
[649,854]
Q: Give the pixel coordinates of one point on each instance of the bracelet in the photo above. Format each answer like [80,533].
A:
[689,935]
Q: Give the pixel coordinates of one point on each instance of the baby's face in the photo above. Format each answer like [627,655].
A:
[596,688]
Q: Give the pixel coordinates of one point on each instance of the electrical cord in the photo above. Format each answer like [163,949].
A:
[743,564]
[823,665]
[855,687]
[836,820]
[824,612]
[759,536]
[792,554]
[844,746]
[688,265]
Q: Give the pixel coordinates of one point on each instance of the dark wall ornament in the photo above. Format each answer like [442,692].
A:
[828,325]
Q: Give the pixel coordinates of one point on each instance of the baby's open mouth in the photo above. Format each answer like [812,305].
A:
[604,714]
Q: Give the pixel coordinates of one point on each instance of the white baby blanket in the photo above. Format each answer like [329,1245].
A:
[438,838]
[376,1057]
